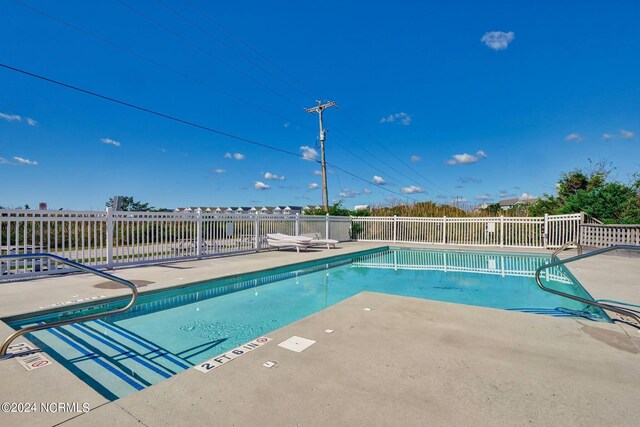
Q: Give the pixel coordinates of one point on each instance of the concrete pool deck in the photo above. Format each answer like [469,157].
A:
[406,361]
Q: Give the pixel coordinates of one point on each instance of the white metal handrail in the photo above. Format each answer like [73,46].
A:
[623,311]
[134,296]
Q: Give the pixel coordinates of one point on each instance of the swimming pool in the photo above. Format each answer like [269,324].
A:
[173,330]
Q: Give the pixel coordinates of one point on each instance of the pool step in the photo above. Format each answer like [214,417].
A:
[113,360]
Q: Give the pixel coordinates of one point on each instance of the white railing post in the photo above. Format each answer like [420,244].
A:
[256,233]
[109,231]
[199,233]
[545,235]
[444,229]
[501,231]
[395,228]
[297,226]
[327,226]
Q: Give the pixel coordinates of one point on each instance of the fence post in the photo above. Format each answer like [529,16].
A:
[199,233]
[327,227]
[545,235]
[256,233]
[297,225]
[444,229]
[501,231]
[109,238]
[395,228]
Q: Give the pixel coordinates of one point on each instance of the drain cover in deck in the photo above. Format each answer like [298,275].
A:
[296,344]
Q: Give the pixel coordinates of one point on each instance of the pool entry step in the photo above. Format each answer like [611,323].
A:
[115,361]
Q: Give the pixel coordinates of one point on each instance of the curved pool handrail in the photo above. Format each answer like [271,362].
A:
[622,311]
[56,258]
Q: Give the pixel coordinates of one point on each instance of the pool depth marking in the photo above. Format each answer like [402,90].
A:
[73,301]
[223,358]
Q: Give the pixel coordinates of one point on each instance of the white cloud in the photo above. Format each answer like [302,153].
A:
[379,180]
[110,141]
[527,196]
[416,158]
[237,156]
[412,189]
[312,186]
[286,125]
[317,172]
[17,118]
[627,134]
[607,137]
[463,159]
[4,161]
[484,197]
[261,186]
[575,137]
[273,176]
[401,118]
[218,170]
[10,117]
[497,40]
[367,191]
[24,161]
[348,194]
[308,153]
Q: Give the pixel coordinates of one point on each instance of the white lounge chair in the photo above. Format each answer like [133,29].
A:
[319,241]
[279,240]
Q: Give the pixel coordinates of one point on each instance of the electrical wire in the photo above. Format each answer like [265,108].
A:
[204,50]
[248,46]
[156,63]
[222,43]
[209,18]
[188,123]
[195,80]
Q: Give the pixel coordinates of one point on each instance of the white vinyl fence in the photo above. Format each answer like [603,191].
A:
[604,235]
[109,239]
[112,239]
[550,231]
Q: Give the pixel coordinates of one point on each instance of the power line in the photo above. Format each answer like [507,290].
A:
[246,44]
[222,43]
[154,62]
[175,34]
[386,164]
[195,80]
[392,153]
[185,122]
[147,110]
[205,51]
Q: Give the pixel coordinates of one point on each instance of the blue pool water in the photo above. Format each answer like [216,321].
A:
[170,331]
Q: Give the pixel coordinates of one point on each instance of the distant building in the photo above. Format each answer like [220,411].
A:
[507,204]
[246,210]
[361,207]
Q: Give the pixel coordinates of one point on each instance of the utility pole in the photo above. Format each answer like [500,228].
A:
[323,135]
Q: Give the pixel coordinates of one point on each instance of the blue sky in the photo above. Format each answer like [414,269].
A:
[438,100]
